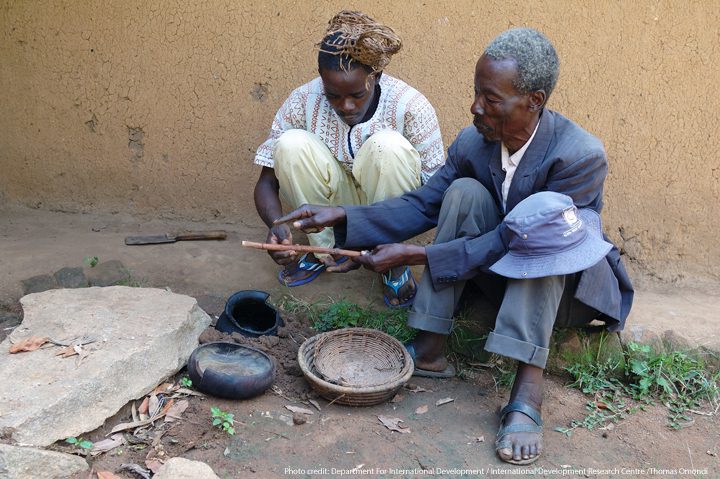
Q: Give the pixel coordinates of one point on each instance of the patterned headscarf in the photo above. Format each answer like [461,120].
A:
[356,35]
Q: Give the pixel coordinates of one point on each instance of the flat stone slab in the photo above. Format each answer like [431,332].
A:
[143,336]
[30,463]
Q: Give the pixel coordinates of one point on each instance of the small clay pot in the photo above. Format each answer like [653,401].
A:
[248,313]
[230,370]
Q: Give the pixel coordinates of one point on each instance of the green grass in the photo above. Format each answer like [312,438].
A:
[640,376]
[327,316]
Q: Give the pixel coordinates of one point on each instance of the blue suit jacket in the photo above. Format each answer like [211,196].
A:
[562,157]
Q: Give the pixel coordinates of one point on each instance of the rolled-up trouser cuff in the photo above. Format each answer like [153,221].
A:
[515,349]
[428,322]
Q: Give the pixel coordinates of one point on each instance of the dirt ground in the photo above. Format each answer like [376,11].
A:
[451,440]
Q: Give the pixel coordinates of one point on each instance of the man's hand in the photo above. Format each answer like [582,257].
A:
[313,218]
[281,234]
[387,256]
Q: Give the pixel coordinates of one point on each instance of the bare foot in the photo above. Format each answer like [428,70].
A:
[430,351]
[523,447]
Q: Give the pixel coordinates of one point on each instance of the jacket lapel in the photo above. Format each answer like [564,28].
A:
[524,179]
[496,172]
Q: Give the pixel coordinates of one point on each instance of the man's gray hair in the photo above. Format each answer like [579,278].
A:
[537,62]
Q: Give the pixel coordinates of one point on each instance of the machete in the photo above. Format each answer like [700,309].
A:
[171,238]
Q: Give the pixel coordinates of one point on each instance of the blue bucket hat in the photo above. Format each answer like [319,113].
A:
[550,236]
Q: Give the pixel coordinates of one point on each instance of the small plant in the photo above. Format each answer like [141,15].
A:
[345,314]
[622,386]
[676,379]
[91,261]
[223,420]
[186,382]
[79,442]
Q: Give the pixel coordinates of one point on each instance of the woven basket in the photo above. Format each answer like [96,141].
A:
[355,366]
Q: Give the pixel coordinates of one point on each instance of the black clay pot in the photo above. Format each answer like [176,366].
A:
[248,313]
[230,370]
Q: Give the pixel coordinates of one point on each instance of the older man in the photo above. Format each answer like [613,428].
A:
[517,150]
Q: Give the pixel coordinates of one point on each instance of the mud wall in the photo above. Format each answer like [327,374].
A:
[156,107]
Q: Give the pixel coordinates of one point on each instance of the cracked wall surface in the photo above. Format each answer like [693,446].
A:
[156,107]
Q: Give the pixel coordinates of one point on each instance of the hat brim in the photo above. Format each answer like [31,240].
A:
[586,254]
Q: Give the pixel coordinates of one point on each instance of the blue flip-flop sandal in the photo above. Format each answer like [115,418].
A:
[397,283]
[303,264]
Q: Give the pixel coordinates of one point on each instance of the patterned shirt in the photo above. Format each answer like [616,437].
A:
[401,108]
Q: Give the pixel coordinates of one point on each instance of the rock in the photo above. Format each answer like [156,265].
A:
[109,273]
[29,463]
[181,468]
[38,284]
[71,278]
[675,341]
[299,418]
[144,336]
[643,335]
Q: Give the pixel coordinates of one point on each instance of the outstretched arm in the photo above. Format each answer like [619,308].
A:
[313,218]
[267,203]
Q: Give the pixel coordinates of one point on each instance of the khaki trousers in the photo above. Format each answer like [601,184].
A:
[385,166]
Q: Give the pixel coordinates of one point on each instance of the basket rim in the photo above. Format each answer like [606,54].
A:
[403,376]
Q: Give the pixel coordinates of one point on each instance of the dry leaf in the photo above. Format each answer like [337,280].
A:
[108,444]
[153,464]
[315,404]
[143,409]
[28,344]
[414,388]
[176,410]
[422,409]
[153,405]
[601,405]
[300,410]
[442,401]
[82,354]
[163,388]
[187,392]
[397,398]
[167,406]
[132,425]
[107,475]
[66,352]
[393,423]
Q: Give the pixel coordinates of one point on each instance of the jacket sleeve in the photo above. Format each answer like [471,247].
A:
[581,178]
[397,219]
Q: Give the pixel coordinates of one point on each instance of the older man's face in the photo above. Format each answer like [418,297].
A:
[500,112]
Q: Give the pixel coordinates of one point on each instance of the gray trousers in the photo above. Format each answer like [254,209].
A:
[528,308]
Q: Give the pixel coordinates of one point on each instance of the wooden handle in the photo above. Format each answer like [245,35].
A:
[201,235]
[300,247]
